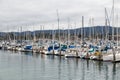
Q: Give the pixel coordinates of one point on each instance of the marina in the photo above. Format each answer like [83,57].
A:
[98,50]
[59,40]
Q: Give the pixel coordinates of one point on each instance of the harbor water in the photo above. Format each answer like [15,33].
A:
[29,66]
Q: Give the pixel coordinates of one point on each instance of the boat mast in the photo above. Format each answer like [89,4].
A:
[68,36]
[106,25]
[114,53]
[58,20]
[92,20]
[89,28]
[117,34]
[21,36]
[53,39]
[83,33]
[113,21]
[34,35]
[75,33]
[43,33]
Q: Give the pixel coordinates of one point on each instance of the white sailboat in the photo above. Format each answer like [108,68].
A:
[115,56]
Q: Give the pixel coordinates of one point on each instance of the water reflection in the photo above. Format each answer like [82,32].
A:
[114,71]
[22,68]
[87,64]
[83,71]
[36,55]
[42,56]
[106,73]
[97,69]
[114,68]
[59,68]
[27,53]
[51,57]
[69,69]
[30,66]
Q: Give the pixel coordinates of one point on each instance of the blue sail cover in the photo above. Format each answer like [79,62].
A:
[71,46]
[28,47]
[51,48]
[107,47]
[91,50]
[94,47]
[63,48]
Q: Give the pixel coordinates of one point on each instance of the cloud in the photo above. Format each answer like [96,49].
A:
[43,12]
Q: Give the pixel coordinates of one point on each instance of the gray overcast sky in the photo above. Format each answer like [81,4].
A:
[16,13]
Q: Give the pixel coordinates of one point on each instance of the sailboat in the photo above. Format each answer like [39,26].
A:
[115,55]
[72,47]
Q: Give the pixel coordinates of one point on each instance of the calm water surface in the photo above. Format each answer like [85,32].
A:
[28,66]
